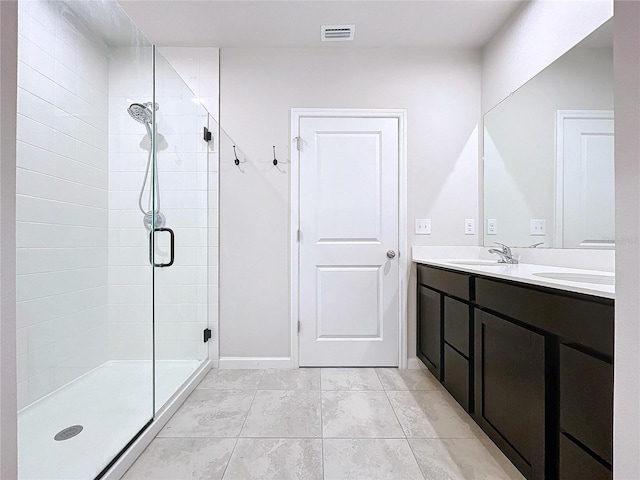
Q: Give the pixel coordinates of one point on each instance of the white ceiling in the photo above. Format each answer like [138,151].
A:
[296,23]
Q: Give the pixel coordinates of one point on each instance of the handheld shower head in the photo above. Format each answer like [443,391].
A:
[140,113]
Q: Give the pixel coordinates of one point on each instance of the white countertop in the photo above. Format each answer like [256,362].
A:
[525,273]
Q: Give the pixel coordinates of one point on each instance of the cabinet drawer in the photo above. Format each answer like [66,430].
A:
[456,324]
[456,376]
[583,321]
[575,463]
[451,283]
[586,400]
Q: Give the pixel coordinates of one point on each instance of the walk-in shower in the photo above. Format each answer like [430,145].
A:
[142,113]
[106,339]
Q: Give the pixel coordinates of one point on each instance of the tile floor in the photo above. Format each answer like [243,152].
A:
[329,423]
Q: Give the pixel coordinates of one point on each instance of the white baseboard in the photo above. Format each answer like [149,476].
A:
[254,362]
[414,363]
[164,415]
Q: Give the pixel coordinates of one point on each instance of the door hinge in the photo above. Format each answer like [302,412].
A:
[207,135]
[298,326]
[206,334]
[298,235]
[297,139]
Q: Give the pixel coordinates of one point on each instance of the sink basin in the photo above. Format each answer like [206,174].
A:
[579,277]
[484,263]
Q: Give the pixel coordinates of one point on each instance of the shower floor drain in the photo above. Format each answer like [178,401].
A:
[68,433]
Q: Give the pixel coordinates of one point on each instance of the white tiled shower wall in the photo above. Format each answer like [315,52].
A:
[84,280]
[181,290]
[62,200]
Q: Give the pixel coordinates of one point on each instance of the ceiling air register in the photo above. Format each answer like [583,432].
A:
[337,33]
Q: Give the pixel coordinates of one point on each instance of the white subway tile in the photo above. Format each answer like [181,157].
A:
[23,387]
[44,186]
[34,133]
[39,260]
[41,384]
[37,285]
[65,77]
[53,236]
[67,54]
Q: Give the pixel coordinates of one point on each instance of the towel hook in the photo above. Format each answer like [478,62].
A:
[275,161]
[236,161]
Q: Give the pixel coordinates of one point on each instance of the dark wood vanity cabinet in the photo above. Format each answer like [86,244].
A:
[429,348]
[586,411]
[456,372]
[443,329]
[533,366]
[510,390]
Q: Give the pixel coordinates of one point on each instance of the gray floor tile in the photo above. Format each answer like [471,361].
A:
[405,379]
[232,379]
[350,379]
[431,415]
[276,459]
[370,459]
[210,413]
[294,379]
[460,459]
[183,458]
[358,415]
[284,413]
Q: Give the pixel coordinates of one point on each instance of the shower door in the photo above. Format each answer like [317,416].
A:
[84,282]
[181,243]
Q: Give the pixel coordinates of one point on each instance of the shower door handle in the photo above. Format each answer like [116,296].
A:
[172,247]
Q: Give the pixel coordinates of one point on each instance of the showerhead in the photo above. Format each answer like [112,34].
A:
[140,113]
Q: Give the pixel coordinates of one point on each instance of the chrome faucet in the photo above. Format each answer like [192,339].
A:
[505,254]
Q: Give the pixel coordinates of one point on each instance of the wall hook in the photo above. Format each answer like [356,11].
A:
[275,162]
[236,161]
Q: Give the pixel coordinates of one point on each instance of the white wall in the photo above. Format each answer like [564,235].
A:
[538,34]
[62,181]
[258,87]
[8,95]
[626,442]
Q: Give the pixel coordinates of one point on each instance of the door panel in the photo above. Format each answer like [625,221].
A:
[588,181]
[349,221]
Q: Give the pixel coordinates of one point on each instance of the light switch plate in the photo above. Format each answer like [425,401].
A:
[538,226]
[423,226]
[492,226]
[469,226]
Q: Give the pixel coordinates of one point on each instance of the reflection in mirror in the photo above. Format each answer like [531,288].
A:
[548,154]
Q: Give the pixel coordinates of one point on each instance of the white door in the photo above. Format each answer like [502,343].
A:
[587,162]
[348,250]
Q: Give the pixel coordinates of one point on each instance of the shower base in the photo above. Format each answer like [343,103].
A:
[111,403]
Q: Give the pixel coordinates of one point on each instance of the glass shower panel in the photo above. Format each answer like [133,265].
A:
[84,281]
[181,302]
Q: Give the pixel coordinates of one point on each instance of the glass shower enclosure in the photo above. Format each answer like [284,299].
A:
[112,236]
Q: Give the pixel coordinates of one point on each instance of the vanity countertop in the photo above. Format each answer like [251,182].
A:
[530,274]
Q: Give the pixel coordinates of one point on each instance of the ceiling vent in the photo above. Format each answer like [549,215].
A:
[337,33]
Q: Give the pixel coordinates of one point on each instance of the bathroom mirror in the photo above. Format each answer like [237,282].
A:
[548,154]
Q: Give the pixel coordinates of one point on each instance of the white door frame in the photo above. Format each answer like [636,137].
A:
[294,194]
[561,116]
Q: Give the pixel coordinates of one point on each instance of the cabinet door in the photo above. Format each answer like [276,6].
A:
[510,390]
[575,463]
[586,401]
[429,347]
[456,375]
